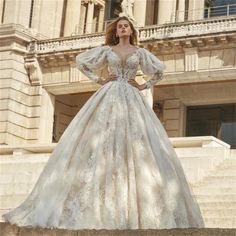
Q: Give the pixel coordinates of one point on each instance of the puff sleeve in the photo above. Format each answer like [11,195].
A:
[90,61]
[151,66]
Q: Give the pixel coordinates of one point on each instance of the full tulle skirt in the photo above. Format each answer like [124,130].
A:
[113,168]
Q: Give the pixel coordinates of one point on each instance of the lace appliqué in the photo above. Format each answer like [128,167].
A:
[156,78]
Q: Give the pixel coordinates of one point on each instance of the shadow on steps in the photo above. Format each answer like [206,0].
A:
[11,230]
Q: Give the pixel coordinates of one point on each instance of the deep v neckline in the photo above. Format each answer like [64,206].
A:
[123,60]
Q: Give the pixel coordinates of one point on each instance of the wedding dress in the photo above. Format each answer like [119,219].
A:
[114,167]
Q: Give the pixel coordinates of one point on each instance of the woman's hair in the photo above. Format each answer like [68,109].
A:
[110,37]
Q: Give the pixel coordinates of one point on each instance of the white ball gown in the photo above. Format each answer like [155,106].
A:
[114,167]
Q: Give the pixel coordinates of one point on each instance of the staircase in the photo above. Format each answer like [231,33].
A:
[18,174]
[216,195]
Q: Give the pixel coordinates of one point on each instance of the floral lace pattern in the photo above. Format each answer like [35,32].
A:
[102,56]
[114,166]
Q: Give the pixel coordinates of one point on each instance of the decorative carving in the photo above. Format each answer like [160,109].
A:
[191,59]
[34,70]
[127,8]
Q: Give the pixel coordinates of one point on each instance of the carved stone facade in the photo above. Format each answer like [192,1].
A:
[41,88]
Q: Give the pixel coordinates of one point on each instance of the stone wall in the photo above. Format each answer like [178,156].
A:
[20,102]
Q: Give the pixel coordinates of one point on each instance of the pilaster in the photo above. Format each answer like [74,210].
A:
[72,20]
[89,19]
[140,12]
[174,117]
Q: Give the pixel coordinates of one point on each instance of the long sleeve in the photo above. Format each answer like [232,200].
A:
[151,66]
[90,61]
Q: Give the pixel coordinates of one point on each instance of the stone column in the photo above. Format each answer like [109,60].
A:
[82,18]
[57,18]
[196,9]
[89,19]
[101,19]
[36,14]
[181,11]
[17,12]
[166,13]
[72,16]
[46,117]
[140,12]
[48,26]
[174,117]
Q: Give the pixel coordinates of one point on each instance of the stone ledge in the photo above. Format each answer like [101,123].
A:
[11,230]
[198,141]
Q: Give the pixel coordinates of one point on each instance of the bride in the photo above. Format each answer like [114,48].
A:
[114,167]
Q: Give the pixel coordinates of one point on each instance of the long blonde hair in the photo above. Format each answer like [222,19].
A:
[110,35]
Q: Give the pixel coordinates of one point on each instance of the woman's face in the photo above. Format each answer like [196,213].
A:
[123,28]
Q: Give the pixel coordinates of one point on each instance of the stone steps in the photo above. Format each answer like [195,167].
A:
[213,190]
[219,213]
[216,198]
[21,167]
[225,172]
[21,177]
[11,201]
[2,212]
[218,205]
[16,188]
[216,195]
[228,163]
[219,181]
[220,222]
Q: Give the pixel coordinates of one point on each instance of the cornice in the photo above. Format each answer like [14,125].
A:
[15,37]
[96,2]
[27,34]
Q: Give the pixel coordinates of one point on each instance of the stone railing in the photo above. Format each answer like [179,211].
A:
[175,30]
[154,32]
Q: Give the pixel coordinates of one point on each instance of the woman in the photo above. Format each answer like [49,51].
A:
[114,167]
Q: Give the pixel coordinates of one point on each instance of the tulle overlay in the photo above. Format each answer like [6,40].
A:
[114,167]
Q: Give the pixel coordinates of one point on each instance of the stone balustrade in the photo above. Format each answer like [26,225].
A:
[154,32]
[176,30]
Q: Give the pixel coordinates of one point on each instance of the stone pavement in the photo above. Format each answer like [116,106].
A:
[12,230]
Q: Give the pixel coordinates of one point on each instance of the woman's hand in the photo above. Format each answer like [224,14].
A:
[108,79]
[135,84]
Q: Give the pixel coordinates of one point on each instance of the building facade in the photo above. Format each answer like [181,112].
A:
[41,89]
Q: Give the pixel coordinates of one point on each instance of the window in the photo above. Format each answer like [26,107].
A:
[113,9]
[214,120]
[152,9]
[215,8]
